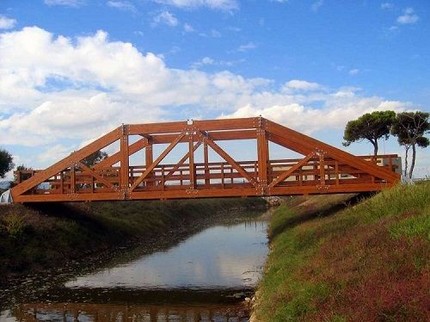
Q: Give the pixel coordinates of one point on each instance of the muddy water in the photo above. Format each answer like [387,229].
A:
[203,278]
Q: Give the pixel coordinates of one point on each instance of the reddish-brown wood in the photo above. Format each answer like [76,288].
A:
[323,168]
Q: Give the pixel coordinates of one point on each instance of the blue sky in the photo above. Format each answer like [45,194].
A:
[72,70]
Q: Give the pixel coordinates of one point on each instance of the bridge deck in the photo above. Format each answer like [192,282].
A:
[323,168]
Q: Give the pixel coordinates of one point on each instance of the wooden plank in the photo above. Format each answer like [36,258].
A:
[154,128]
[263,156]
[125,162]
[215,135]
[226,124]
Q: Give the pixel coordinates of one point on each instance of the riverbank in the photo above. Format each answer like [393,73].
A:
[63,236]
[367,262]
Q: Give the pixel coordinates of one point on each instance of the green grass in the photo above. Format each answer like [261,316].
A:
[368,262]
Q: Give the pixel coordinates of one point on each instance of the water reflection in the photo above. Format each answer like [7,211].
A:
[219,257]
[204,278]
[117,313]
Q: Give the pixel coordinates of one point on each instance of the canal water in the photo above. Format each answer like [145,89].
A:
[207,277]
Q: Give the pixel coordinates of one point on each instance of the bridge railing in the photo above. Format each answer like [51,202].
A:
[221,175]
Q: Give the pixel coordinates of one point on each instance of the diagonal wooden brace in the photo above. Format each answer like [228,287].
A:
[156,162]
[287,173]
[181,162]
[96,175]
[205,138]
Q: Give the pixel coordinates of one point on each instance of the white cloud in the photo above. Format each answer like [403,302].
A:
[301,85]
[387,6]
[66,3]
[56,88]
[122,5]
[203,61]
[408,17]
[188,28]
[55,152]
[317,5]
[165,18]
[7,23]
[247,47]
[337,112]
[354,71]
[213,4]
[215,33]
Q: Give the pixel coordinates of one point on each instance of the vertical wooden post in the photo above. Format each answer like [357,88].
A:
[72,179]
[149,159]
[125,164]
[192,167]
[336,170]
[62,182]
[206,161]
[322,168]
[263,154]
[222,175]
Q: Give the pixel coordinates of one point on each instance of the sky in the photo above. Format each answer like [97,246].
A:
[72,70]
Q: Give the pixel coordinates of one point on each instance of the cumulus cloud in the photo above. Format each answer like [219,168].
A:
[55,88]
[213,4]
[7,23]
[408,17]
[340,107]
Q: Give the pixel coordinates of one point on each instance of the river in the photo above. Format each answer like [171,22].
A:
[206,277]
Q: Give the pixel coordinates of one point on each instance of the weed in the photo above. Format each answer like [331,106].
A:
[14,224]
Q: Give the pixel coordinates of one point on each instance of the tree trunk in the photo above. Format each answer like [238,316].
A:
[375,148]
[405,172]
[414,153]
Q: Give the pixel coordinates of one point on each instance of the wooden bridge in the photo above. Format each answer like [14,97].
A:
[204,165]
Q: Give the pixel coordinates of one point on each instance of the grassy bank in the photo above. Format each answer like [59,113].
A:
[368,262]
[53,235]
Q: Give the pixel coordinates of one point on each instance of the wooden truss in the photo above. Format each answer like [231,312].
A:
[322,169]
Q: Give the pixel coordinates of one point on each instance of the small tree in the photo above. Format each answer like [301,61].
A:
[370,126]
[410,128]
[6,162]
[22,173]
[94,158]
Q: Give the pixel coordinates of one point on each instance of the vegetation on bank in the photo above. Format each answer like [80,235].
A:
[46,236]
[368,262]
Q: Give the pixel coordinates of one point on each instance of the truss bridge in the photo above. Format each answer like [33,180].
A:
[202,159]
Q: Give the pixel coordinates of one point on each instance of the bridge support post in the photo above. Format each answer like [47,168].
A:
[192,166]
[263,156]
[124,172]
[149,159]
